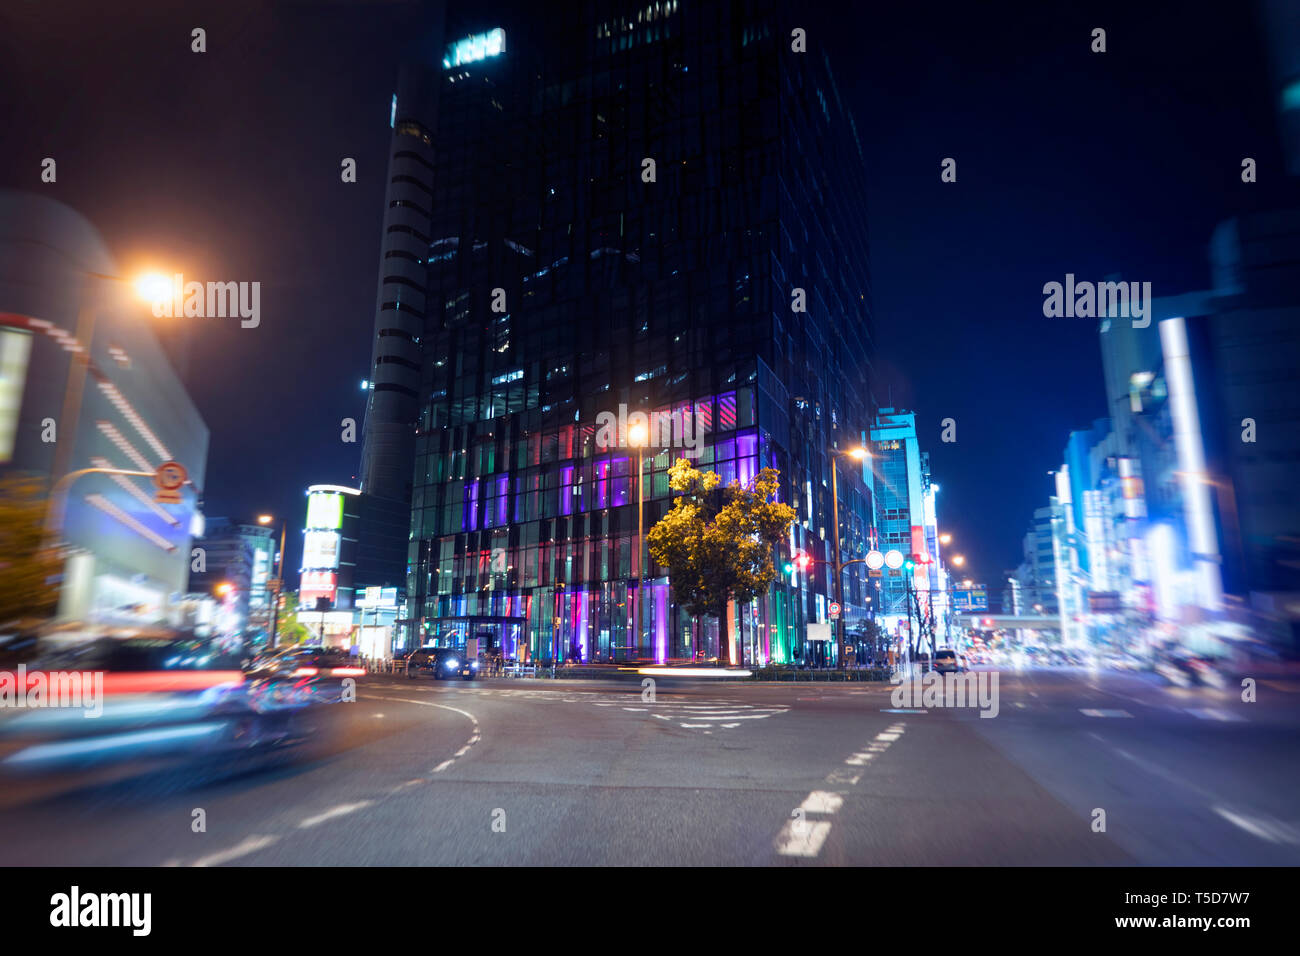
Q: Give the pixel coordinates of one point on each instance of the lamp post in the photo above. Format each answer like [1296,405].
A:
[859,454]
[274,593]
[636,436]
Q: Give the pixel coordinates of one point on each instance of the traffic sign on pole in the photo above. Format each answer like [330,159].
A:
[169,478]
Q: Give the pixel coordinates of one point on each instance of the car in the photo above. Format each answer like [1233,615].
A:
[442,662]
[324,670]
[947,661]
[162,699]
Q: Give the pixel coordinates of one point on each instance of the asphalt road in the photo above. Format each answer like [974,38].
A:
[583,772]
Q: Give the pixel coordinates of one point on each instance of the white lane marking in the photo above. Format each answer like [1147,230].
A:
[729,726]
[1095,712]
[474,738]
[1266,828]
[857,760]
[250,845]
[340,811]
[800,838]
[822,801]
[887,737]
[843,777]
[1214,713]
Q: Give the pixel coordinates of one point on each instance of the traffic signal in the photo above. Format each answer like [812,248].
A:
[909,564]
[800,561]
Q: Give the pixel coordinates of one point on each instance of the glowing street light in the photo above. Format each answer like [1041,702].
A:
[945,538]
[958,560]
[153,287]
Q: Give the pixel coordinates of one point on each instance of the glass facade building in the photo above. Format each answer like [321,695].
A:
[594,216]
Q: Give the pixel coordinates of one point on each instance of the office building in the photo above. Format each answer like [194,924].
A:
[652,207]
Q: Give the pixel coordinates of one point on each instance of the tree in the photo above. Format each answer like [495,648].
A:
[290,630]
[717,542]
[27,568]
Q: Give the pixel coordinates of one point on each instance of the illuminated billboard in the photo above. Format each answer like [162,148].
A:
[471,49]
[15,347]
[325,510]
[320,549]
[378,597]
[317,584]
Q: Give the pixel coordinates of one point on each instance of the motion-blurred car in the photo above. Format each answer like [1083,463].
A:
[328,668]
[1189,670]
[444,663]
[948,661]
[137,700]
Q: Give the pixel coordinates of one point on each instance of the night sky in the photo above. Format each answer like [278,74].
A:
[225,165]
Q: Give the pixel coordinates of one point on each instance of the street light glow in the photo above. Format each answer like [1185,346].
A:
[945,538]
[153,287]
[958,560]
[265,519]
[636,435]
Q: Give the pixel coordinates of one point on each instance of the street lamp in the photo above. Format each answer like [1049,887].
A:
[958,560]
[857,454]
[636,436]
[274,593]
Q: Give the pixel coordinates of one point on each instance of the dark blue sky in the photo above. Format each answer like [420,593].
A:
[226,165]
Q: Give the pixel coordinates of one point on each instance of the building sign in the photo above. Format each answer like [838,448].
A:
[1105,602]
[15,348]
[378,598]
[317,584]
[479,46]
[320,549]
[324,511]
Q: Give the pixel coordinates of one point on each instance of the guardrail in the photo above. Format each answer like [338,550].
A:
[397,667]
[819,674]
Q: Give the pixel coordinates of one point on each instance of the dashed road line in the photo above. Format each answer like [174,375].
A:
[804,838]
[250,845]
[339,811]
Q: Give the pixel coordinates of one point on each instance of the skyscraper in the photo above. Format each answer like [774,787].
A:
[639,207]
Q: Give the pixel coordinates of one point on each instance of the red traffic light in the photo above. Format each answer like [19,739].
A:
[802,561]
